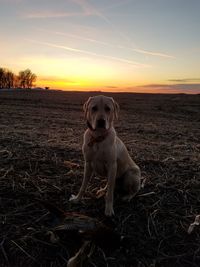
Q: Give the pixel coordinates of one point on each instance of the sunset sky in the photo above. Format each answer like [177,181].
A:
[108,45]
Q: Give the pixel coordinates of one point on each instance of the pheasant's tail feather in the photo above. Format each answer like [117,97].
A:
[75,223]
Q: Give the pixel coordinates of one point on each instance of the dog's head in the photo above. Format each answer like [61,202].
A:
[100,112]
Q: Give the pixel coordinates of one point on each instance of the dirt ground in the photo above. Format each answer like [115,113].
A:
[41,132]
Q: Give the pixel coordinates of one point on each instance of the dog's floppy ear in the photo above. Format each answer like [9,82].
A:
[116,108]
[85,107]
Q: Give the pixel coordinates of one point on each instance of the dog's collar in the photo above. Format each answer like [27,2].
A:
[95,138]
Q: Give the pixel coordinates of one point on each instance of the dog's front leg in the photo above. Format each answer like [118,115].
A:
[88,171]
[112,170]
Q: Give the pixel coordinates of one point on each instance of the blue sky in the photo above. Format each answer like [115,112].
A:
[129,45]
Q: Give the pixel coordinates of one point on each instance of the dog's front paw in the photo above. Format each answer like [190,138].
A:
[74,199]
[109,211]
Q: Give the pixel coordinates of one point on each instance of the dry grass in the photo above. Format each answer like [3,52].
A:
[41,133]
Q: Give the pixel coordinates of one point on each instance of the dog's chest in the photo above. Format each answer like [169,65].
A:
[99,160]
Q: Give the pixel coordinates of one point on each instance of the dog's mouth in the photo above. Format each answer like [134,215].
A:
[101,124]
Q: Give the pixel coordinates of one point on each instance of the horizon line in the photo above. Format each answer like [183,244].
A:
[97,91]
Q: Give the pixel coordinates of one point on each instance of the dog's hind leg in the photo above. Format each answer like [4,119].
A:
[131,183]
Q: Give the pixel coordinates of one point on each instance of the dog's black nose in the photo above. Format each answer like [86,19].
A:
[101,123]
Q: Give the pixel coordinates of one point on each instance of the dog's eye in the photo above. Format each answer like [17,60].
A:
[107,109]
[94,108]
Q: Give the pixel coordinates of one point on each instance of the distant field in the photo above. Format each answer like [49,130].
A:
[40,131]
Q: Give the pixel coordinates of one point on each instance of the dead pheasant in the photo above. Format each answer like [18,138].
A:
[91,232]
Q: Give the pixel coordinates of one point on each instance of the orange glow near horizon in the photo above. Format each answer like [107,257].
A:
[84,84]
[87,86]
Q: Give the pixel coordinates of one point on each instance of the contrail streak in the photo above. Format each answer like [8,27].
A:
[152,53]
[89,9]
[141,51]
[134,63]
[78,37]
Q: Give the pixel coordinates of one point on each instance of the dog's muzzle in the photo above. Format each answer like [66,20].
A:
[101,123]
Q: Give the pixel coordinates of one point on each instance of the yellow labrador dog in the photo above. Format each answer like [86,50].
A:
[105,154]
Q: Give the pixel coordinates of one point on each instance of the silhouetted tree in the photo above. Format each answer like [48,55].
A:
[2,76]
[16,81]
[9,77]
[26,78]
[6,78]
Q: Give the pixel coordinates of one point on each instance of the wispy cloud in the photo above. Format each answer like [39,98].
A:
[172,88]
[51,14]
[111,86]
[185,80]
[87,8]
[75,50]
[55,79]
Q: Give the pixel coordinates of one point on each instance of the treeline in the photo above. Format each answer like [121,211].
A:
[24,79]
